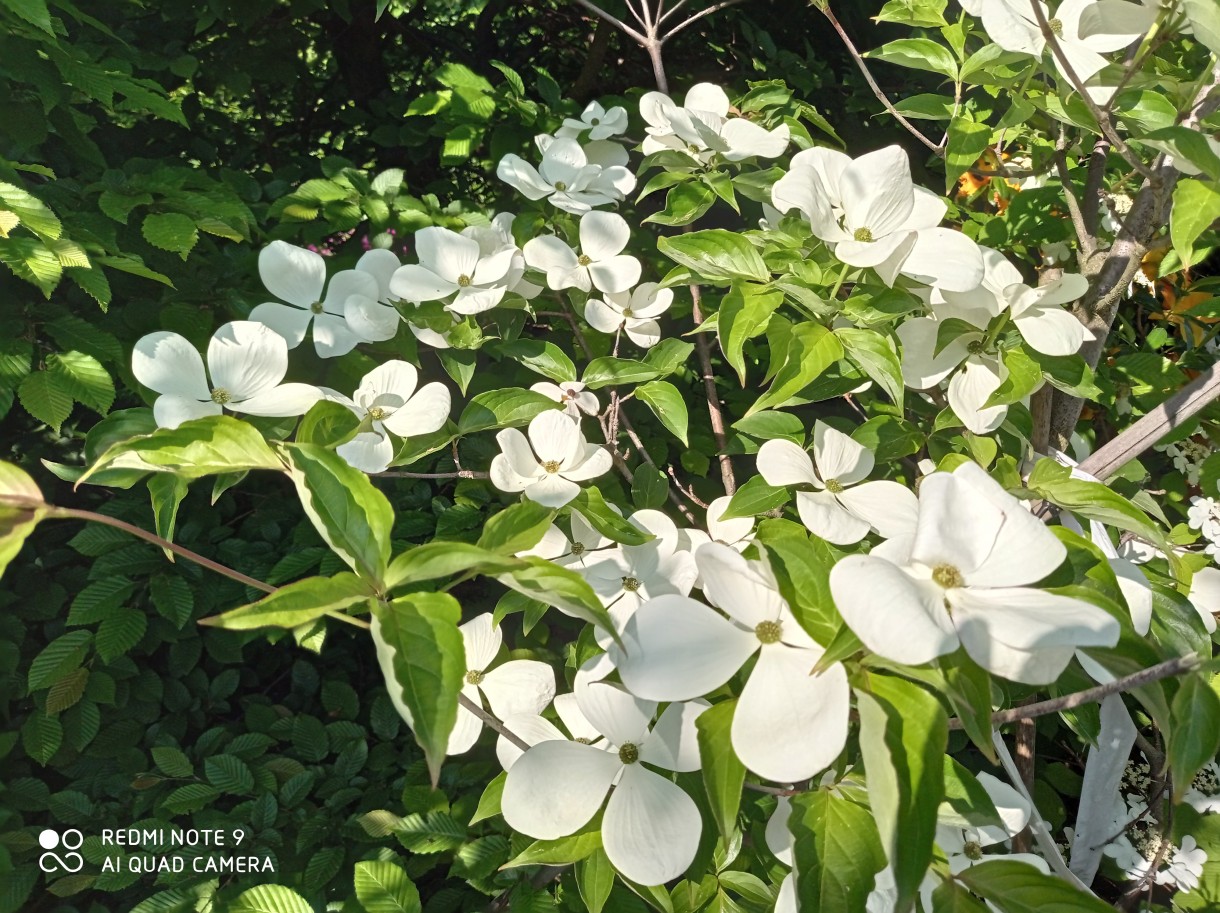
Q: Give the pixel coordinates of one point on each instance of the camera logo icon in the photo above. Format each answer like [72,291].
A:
[70,840]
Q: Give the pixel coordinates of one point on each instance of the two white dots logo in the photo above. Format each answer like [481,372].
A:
[70,861]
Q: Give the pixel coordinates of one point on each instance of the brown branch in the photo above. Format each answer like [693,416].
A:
[71,513]
[714,8]
[704,349]
[459,474]
[492,722]
[1091,695]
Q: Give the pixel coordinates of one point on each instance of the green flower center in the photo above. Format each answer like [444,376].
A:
[595,121]
[578,548]
[834,486]
[975,347]
[631,584]
[316,307]
[1056,26]
[221,395]
[768,632]
[475,677]
[463,280]
[377,414]
[947,577]
[628,753]
[863,234]
[560,185]
[583,741]
[972,851]
[551,466]
[584,260]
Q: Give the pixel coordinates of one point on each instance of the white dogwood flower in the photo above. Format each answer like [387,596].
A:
[388,399]
[626,576]
[736,533]
[246,361]
[496,238]
[843,507]
[578,552]
[566,176]
[532,728]
[1039,315]
[513,687]
[601,263]
[375,320]
[963,842]
[703,129]
[572,395]
[599,122]
[871,214]
[298,276]
[965,581]
[450,264]
[635,313]
[789,724]
[650,828]
[546,465]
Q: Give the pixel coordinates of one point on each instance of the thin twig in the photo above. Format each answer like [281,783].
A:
[459,474]
[872,83]
[714,8]
[72,513]
[492,722]
[613,20]
[704,348]
[1091,695]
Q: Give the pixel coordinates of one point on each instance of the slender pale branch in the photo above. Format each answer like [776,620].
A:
[1091,695]
[704,348]
[195,557]
[714,8]
[492,722]
[459,474]
[1141,436]
[872,83]
[613,20]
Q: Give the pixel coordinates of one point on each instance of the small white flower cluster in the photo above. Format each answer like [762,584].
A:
[1188,456]
[1141,848]
[1204,515]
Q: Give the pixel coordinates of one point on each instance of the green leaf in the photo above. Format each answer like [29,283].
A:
[328,423]
[205,446]
[836,852]
[811,350]
[295,604]
[229,774]
[593,507]
[172,762]
[668,355]
[383,887]
[564,850]
[545,358]
[1186,144]
[1017,887]
[903,738]
[607,371]
[914,13]
[684,204]
[170,231]
[1068,373]
[723,773]
[767,426]
[489,802]
[877,357]
[802,569]
[351,515]
[744,313]
[420,650]
[1195,737]
[516,528]
[594,880]
[753,498]
[950,897]
[509,407]
[62,655]
[918,54]
[968,688]
[119,632]
[436,559]
[32,212]
[1092,500]
[47,396]
[166,493]
[649,488]
[717,255]
[21,507]
[270,898]
[1204,18]
[967,140]
[1024,377]
[565,589]
[1196,207]
[41,736]
[668,405]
